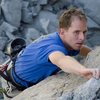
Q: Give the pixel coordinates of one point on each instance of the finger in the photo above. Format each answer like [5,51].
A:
[96,73]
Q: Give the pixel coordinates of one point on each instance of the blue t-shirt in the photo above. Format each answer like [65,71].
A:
[33,64]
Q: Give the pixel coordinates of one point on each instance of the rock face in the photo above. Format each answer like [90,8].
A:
[51,88]
[88,91]
[63,86]
[91,89]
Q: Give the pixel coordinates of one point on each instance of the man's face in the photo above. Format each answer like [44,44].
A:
[74,36]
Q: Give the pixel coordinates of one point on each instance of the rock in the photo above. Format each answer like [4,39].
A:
[94,38]
[26,14]
[43,2]
[92,24]
[61,4]
[45,23]
[2,57]
[29,12]
[51,88]
[3,41]
[48,19]
[7,29]
[88,91]
[48,8]
[12,11]
[35,10]
[93,58]
[51,2]
[91,9]
[31,34]
[0,11]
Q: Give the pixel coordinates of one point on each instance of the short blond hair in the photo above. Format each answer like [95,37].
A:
[65,19]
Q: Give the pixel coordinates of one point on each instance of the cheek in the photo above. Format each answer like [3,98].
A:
[71,38]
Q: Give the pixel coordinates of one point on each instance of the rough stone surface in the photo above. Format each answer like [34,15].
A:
[51,88]
[88,91]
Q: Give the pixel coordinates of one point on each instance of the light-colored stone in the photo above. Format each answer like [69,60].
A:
[87,91]
[52,87]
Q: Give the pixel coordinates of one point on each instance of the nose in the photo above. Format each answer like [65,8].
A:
[82,36]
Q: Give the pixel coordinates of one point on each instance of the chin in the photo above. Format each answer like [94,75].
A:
[77,48]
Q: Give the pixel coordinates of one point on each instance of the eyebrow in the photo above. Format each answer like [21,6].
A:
[85,31]
[79,31]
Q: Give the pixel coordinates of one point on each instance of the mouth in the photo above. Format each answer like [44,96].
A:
[79,44]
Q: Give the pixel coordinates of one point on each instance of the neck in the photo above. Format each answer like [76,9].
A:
[65,44]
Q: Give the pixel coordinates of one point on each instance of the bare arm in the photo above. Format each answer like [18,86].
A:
[69,64]
[85,50]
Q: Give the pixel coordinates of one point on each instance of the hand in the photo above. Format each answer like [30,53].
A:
[93,72]
[96,73]
[3,67]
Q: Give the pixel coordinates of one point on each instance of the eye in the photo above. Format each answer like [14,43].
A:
[84,32]
[76,32]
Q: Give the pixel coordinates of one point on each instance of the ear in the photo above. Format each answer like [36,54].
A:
[61,31]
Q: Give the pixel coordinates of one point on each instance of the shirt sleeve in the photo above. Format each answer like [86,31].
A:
[54,48]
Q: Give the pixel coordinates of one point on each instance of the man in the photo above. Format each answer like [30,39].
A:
[54,53]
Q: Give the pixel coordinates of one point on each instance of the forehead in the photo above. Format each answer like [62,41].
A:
[77,23]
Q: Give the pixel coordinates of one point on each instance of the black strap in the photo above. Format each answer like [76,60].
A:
[9,79]
[4,76]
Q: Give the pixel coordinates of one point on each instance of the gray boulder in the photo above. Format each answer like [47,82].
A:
[88,91]
[43,2]
[3,41]
[46,22]
[2,57]
[52,87]
[92,24]
[26,15]
[91,8]
[7,29]
[12,11]
[31,34]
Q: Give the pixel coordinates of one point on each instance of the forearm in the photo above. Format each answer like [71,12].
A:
[70,65]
